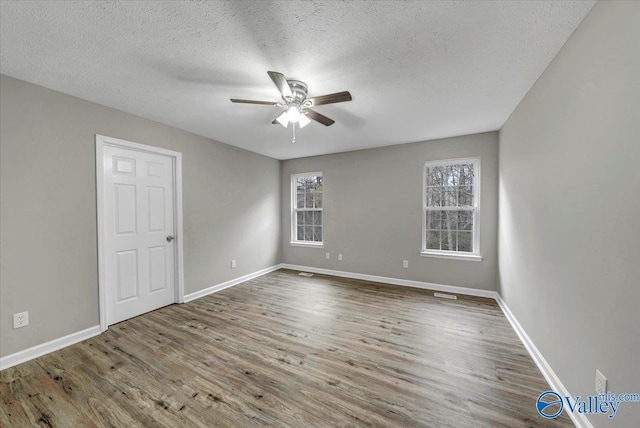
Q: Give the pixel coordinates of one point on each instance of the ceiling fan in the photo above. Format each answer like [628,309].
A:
[297,104]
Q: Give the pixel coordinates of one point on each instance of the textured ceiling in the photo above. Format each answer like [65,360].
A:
[416,70]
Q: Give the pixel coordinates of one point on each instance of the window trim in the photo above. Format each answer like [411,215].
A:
[294,242]
[445,254]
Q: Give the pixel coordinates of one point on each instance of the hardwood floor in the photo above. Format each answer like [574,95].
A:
[284,350]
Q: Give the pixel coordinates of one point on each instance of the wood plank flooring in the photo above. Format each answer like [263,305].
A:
[284,350]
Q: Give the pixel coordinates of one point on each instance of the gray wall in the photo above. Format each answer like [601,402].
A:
[373,212]
[48,208]
[569,237]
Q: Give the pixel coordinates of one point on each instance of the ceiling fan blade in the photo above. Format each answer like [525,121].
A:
[311,114]
[338,97]
[281,83]
[267,103]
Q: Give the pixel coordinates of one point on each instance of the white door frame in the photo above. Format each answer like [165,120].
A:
[102,141]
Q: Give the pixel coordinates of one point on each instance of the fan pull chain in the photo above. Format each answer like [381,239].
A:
[294,133]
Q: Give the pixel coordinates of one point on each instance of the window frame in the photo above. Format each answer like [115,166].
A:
[447,254]
[294,220]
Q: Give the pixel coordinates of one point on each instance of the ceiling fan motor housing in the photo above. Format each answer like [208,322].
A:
[299,90]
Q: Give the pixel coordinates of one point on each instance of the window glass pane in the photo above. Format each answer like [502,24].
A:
[443,220]
[450,220]
[449,196]
[309,200]
[300,200]
[455,175]
[317,234]
[465,196]
[310,184]
[433,220]
[300,218]
[450,177]
[317,199]
[300,233]
[465,242]
[434,176]
[308,233]
[433,240]
[465,220]
[466,175]
[300,185]
[319,184]
[308,218]
[317,218]
[448,240]
[428,177]
[434,197]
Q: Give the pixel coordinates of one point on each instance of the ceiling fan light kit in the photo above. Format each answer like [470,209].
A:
[303,121]
[297,104]
[293,115]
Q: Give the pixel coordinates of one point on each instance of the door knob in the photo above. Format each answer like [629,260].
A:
[169,238]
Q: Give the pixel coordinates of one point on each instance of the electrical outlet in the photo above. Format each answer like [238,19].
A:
[21,319]
[340,257]
[327,256]
[233,264]
[601,383]
[405,264]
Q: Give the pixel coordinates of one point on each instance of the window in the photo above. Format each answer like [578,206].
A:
[306,200]
[450,209]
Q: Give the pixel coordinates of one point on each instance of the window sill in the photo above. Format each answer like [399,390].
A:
[452,256]
[306,244]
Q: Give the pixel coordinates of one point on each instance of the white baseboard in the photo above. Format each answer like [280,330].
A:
[395,281]
[227,284]
[45,348]
[579,419]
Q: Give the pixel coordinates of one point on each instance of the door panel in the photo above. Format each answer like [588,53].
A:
[127,275]
[156,209]
[155,169]
[138,217]
[125,208]
[157,269]
[124,166]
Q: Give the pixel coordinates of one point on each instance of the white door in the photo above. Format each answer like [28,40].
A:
[138,232]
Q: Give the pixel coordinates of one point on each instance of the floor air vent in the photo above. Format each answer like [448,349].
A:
[307,274]
[446,296]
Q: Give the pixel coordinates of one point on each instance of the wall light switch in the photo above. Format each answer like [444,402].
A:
[340,257]
[405,264]
[233,264]
[327,256]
